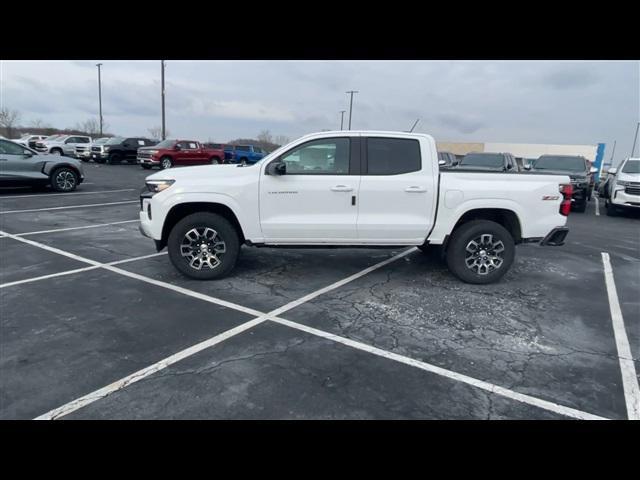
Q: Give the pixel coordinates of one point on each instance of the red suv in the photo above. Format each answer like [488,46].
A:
[168,153]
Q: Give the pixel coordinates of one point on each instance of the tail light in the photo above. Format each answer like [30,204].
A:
[565,205]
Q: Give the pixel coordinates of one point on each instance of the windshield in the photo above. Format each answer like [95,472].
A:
[53,137]
[483,160]
[632,166]
[114,140]
[569,164]
[165,144]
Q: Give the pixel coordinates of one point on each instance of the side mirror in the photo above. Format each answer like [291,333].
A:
[593,170]
[176,147]
[276,168]
[27,153]
[442,162]
[527,166]
[613,171]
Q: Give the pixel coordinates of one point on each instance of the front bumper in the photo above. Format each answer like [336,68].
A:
[622,199]
[555,238]
[148,161]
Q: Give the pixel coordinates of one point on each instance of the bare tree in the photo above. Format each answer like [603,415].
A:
[91,126]
[39,123]
[9,120]
[281,140]
[156,132]
[265,136]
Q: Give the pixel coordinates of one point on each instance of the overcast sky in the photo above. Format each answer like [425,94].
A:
[485,101]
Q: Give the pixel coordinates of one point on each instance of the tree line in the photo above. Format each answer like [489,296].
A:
[11,127]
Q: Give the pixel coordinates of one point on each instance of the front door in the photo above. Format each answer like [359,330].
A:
[16,167]
[314,201]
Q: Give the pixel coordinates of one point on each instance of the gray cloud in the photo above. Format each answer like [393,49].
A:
[510,101]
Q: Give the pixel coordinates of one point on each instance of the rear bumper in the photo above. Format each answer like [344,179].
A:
[556,237]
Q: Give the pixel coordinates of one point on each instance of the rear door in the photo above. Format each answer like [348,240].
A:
[396,201]
[314,202]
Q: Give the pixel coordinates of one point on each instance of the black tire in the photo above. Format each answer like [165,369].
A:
[98,160]
[166,162]
[64,179]
[224,232]
[214,160]
[57,151]
[611,210]
[580,207]
[146,167]
[457,253]
[114,158]
[85,160]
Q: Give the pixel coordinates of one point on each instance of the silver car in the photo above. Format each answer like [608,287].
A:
[21,166]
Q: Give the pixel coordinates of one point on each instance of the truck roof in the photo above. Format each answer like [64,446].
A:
[377,133]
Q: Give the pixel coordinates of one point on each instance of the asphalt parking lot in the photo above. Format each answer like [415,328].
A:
[97,325]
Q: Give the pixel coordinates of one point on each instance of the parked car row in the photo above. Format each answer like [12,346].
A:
[576,167]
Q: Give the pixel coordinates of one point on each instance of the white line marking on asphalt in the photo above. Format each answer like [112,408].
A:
[627,367]
[145,372]
[67,207]
[78,403]
[92,397]
[55,230]
[2,197]
[597,207]
[505,392]
[78,270]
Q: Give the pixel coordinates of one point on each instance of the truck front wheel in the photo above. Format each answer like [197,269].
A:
[204,246]
[480,251]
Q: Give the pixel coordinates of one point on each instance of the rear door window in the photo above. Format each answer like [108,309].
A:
[392,156]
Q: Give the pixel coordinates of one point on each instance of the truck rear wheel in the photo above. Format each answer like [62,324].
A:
[204,246]
[480,251]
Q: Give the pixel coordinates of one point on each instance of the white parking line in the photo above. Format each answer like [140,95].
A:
[166,362]
[67,207]
[55,230]
[443,372]
[78,270]
[273,316]
[627,366]
[597,207]
[2,197]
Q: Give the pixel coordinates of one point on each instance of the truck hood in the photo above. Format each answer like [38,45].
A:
[201,172]
[628,177]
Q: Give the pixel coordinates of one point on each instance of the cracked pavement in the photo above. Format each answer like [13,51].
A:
[544,330]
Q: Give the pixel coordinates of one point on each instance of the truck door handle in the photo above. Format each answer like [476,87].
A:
[342,188]
[415,189]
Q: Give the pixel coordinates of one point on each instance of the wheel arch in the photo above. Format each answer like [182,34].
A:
[181,210]
[503,216]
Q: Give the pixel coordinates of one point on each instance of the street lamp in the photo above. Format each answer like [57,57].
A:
[100,95]
[342,118]
[351,105]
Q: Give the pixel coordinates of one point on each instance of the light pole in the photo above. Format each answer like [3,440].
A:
[351,105]
[164,137]
[100,95]
[635,138]
[342,119]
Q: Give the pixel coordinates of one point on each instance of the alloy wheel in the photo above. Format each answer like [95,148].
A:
[484,254]
[202,246]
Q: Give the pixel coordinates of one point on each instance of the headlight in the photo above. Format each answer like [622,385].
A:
[621,183]
[157,186]
[152,152]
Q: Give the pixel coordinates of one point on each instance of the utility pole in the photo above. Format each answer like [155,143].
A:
[342,119]
[414,125]
[351,105]
[633,149]
[612,152]
[164,137]
[100,95]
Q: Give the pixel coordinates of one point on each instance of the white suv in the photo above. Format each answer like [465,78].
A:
[63,144]
[623,186]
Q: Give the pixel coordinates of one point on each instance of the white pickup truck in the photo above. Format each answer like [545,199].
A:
[352,188]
